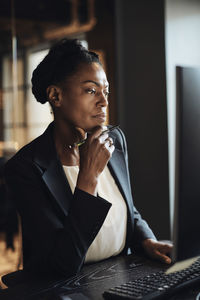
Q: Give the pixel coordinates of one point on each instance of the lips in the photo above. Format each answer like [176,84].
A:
[100,116]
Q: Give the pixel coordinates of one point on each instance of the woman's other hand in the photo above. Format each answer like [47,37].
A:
[94,155]
[157,250]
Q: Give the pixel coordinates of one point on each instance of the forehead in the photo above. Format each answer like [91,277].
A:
[90,72]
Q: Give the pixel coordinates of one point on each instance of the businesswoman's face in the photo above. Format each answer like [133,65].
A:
[83,98]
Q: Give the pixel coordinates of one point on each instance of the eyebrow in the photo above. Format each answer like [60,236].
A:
[96,83]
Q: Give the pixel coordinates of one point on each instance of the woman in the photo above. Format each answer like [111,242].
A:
[75,201]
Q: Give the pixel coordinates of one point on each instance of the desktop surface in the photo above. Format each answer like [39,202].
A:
[92,281]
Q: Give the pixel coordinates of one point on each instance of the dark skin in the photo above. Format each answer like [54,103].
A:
[79,106]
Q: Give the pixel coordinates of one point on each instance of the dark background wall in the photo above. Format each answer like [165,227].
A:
[102,38]
[141,90]
[132,35]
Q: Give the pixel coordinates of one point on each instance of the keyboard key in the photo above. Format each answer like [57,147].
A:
[156,285]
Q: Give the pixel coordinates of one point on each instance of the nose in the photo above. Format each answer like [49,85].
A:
[103,100]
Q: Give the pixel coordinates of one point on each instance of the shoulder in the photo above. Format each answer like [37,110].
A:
[21,164]
[24,155]
[28,152]
[118,138]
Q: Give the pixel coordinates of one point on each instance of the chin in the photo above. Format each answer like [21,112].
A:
[97,124]
[100,120]
[94,122]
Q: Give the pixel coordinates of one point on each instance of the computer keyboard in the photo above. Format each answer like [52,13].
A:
[156,285]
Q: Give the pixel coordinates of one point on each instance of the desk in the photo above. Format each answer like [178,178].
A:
[90,283]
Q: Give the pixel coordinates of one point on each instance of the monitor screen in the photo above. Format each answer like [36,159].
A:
[186,229]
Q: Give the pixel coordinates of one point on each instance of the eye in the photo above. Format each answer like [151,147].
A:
[91,91]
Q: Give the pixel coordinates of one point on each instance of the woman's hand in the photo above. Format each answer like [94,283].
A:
[94,155]
[157,250]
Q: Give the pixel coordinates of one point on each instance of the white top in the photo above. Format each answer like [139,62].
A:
[111,238]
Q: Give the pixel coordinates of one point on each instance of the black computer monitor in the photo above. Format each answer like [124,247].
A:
[186,229]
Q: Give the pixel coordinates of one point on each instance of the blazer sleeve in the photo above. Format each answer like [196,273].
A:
[52,242]
[141,230]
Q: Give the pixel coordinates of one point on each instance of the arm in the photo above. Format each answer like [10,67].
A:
[143,237]
[53,241]
[141,229]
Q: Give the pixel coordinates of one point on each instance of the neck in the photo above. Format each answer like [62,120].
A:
[65,137]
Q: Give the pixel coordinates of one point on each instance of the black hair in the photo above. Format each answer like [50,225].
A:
[62,60]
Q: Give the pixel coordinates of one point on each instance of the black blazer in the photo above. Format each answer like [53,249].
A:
[57,226]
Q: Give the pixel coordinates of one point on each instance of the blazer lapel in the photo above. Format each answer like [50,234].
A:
[55,180]
[47,161]
[117,166]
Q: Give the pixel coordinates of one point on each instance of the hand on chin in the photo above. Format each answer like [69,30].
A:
[82,134]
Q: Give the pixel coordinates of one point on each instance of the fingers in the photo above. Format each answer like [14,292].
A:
[96,132]
[109,145]
[162,251]
[162,257]
[103,138]
[158,250]
[165,248]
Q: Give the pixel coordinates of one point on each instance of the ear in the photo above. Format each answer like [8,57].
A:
[54,95]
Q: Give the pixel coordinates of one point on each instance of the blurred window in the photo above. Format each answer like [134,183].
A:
[23,117]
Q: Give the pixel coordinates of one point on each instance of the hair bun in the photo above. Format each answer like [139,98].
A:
[61,61]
